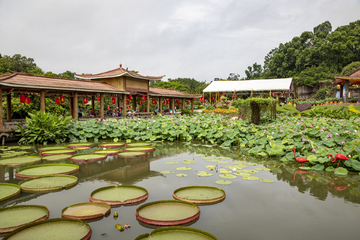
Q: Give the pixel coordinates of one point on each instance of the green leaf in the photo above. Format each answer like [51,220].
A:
[341,171]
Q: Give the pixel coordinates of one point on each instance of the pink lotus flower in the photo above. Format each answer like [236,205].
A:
[313,150]
[329,135]
[304,139]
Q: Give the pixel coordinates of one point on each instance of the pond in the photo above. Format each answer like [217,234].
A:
[318,205]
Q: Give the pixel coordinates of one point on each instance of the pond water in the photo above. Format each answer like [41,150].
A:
[298,204]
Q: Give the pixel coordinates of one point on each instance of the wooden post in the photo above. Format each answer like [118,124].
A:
[160,104]
[173,105]
[147,102]
[347,90]
[1,111]
[71,102]
[93,103]
[124,106]
[134,103]
[183,104]
[42,100]
[102,115]
[8,107]
[117,103]
[341,92]
[192,105]
[75,106]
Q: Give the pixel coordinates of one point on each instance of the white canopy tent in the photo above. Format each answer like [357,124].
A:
[281,84]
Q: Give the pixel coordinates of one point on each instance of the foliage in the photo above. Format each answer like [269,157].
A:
[254,72]
[221,111]
[348,69]
[258,107]
[224,102]
[188,85]
[44,127]
[322,93]
[186,112]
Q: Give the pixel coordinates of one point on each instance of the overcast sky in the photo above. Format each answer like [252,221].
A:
[201,39]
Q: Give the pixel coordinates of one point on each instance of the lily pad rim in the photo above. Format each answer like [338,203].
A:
[175,228]
[48,189]
[10,185]
[84,217]
[213,200]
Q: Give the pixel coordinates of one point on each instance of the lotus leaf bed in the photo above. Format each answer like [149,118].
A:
[131,154]
[18,161]
[8,190]
[92,157]
[141,149]
[111,145]
[167,212]
[14,217]
[119,195]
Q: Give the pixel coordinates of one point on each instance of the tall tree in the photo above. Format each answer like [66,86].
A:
[254,72]
[18,63]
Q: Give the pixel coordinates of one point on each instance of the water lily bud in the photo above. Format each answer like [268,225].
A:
[120,227]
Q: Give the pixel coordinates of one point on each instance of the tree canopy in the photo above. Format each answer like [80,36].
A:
[188,85]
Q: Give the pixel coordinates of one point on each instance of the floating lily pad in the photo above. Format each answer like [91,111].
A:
[138,144]
[341,171]
[41,149]
[18,161]
[263,169]
[227,176]
[119,195]
[249,171]
[107,151]
[199,155]
[54,229]
[167,172]
[266,180]
[88,157]
[77,145]
[25,147]
[204,174]
[81,148]
[223,161]
[224,158]
[177,232]
[57,157]
[8,190]
[46,170]
[209,166]
[48,183]
[199,194]
[242,174]
[87,210]
[223,182]
[188,162]
[167,212]
[141,149]
[305,168]
[251,164]
[57,152]
[224,171]
[172,162]
[250,178]
[181,175]
[14,217]
[212,160]
[183,168]
[131,154]
[111,145]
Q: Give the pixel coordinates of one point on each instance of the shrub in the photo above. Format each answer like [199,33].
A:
[44,127]
[186,112]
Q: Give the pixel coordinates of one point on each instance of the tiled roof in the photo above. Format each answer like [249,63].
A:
[116,73]
[26,80]
[171,93]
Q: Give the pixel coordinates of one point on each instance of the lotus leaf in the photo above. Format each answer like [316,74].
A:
[131,154]
[183,168]
[57,152]
[355,164]
[167,172]
[86,210]
[250,178]
[249,171]
[341,171]
[18,161]
[48,183]
[266,180]
[57,157]
[223,182]
[76,145]
[227,176]
[138,144]
[181,175]
[172,162]
[330,169]
[263,169]
[242,174]
[224,171]
[305,168]
[88,157]
[318,167]
[8,190]
[137,149]
[204,174]
[122,194]
[107,151]
[46,169]
[52,148]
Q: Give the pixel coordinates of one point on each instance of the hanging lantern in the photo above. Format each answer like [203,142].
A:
[85,100]
[213,98]
[127,102]
[282,94]
[236,96]
[113,100]
[28,100]
[213,95]
[187,102]
[62,99]
[274,94]
[22,98]
[57,100]
[98,98]
[141,102]
[167,101]
[143,98]
[199,99]
[163,102]
[177,102]
[144,109]
[155,102]
[128,107]
[130,97]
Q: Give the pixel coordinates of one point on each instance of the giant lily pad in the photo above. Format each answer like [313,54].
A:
[131,154]
[76,145]
[41,149]
[167,212]
[138,144]
[14,217]
[141,149]
[57,157]
[264,180]
[81,148]
[46,170]
[8,190]
[111,145]
[57,152]
[204,174]
[48,183]
[176,232]
[119,195]
[18,161]
[107,151]
[250,178]
[88,157]
[86,210]
[54,229]
[227,176]
[199,194]
[223,182]
[183,168]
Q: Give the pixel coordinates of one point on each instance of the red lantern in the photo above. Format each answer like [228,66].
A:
[213,98]
[143,98]
[144,109]
[178,102]
[213,95]
[28,100]
[128,107]
[141,102]
[127,102]
[155,102]
[236,96]
[57,100]
[62,99]
[130,97]
[98,98]
[274,94]
[199,99]
[85,100]
[22,98]
[167,101]
[163,102]
[187,102]
[113,100]
[282,94]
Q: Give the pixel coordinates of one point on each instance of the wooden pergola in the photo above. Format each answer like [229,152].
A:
[345,81]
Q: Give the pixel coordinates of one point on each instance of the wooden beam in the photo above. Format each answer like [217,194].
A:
[134,103]
[8,107]
[42,100]
[341,92]
[102,115]
[75,106]
[93,103]
[1,110]
[71,99]
[124,106]
[183,104]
